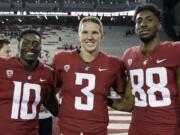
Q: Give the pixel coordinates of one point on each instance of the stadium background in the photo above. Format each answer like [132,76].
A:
[57,21]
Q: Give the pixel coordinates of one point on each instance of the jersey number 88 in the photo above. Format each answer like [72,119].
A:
[149,97]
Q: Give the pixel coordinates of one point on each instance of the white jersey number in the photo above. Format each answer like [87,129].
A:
[86,91]
[147,78]
[20,106]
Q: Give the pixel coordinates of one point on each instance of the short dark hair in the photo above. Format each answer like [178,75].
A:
[4,41]
[148,7]
[27,32]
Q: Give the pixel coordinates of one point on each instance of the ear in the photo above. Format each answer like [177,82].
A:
[40,47]
[19,47]
[102,37]
[19,44]
[40,54]
[135,30]
[159,26]
[18,53]
[78,37]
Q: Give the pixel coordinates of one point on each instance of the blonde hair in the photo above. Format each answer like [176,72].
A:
[91,19]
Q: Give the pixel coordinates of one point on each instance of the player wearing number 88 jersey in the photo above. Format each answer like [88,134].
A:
[152,69]
[25,83]
[85,77]
[154,86]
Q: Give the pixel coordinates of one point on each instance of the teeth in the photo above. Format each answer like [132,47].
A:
[144,32]
[90,43]
[30,53]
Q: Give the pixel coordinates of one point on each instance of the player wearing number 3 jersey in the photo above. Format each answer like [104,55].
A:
[85,76]
[152,68]
[25,83]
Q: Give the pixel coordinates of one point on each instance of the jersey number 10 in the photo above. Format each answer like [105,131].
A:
[20,105]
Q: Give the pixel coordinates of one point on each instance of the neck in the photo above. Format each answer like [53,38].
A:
[148,47]
[87,56]
[29,65]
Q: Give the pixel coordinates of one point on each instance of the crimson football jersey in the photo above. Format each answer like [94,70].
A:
[85,87]
[21,93]
[153,80]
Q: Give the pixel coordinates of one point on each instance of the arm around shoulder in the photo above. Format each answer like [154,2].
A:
[51,102]
[125,103]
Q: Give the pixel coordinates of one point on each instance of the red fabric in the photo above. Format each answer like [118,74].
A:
[21,93]
[83,80]
[153,80]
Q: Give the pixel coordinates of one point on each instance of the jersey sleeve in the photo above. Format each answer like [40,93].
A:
[49,74]
[126,62]
[56,65]
[176,53]
[120,79]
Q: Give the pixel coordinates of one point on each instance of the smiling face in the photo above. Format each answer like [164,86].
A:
[90,37]
[5,51]
[147,26]
[29,47]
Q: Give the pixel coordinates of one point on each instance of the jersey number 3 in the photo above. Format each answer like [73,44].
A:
[149,97]
[87,91]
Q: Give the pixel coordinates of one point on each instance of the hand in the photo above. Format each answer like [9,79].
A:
[42,108]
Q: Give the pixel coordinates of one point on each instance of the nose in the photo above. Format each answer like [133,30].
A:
[90,36]
[31,46]
[144,23]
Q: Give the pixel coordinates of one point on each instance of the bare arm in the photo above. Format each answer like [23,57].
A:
[51,102]
[125,103]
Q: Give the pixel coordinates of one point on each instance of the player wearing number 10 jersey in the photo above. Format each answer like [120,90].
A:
[85,77]
[25,83]
[152,68]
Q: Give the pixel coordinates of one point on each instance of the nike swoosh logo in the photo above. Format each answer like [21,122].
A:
[102,69]
[159,61]
[42,80]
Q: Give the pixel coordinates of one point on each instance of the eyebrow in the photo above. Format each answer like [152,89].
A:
[149,16]
[37,40]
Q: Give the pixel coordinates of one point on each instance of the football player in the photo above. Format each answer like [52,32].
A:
[153,67]
[85,77]
[5,48]
[25,84]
